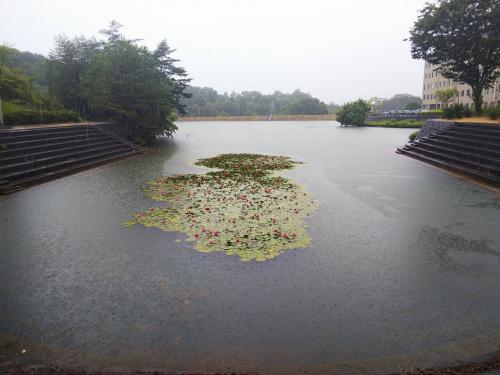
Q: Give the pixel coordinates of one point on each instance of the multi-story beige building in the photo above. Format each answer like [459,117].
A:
[434,81]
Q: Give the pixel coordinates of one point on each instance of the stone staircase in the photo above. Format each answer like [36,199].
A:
[32,155]
[466,148]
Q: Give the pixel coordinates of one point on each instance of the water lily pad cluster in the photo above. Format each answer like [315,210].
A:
[240,209]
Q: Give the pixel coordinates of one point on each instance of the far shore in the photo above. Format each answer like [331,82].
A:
[261,118]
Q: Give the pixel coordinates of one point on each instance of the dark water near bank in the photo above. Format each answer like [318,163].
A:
[405,263]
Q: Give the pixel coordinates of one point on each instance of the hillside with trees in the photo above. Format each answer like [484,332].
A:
[23,76]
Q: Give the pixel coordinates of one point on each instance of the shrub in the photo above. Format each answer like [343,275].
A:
[468,112]
[29,116]
[457,111]
[453,111]
[494,113]
[411,106]
[353,113]
[413,135]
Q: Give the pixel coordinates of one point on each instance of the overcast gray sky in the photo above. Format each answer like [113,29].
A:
[337,50]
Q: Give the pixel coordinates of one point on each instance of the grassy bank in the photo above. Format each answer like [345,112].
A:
[408,123]
[261,118]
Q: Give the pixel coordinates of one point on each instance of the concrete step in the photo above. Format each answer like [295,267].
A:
[494,132]
[118,137]
[465,141]
[12,177]
[468,156]
[50,146]
[21,157]
[471,135]
[457,168]
[13,186]
[72,154]
[46,135]
[461,147]
[54,140]
[33,155]
[14,132]
[473,125]
[460,161]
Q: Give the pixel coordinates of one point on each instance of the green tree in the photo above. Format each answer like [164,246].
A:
[462,37]
[400,102]
[333,108]
[136,87]
[411,106]
[376,104]
[354,113]
[446,95]
[306,106]
[68,62]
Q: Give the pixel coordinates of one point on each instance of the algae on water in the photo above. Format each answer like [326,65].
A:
[240,209]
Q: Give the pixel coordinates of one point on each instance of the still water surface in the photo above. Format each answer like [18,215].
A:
[404,265]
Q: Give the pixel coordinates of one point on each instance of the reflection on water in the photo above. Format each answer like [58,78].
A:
[400,250]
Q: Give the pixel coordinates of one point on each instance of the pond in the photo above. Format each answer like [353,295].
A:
[402,269]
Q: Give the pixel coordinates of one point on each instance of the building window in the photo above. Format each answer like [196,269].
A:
[463,92]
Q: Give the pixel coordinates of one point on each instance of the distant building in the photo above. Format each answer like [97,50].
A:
[434,81]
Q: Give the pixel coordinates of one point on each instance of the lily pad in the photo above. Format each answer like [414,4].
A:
[240,209]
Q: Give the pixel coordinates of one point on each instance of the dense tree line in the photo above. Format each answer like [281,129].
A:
[205,101]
